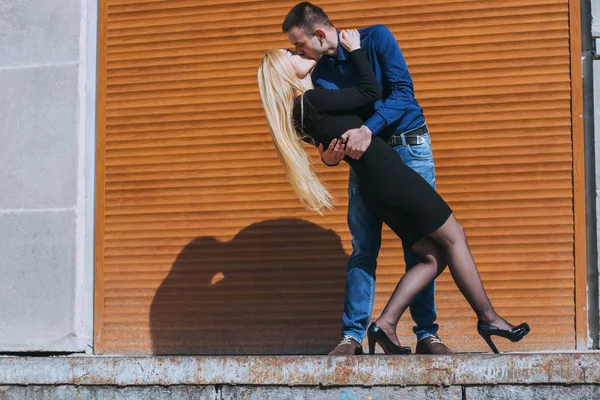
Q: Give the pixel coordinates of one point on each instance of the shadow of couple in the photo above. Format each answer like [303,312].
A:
[276,288]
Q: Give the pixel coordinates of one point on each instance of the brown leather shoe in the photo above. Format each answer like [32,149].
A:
[432,345]
[347,347]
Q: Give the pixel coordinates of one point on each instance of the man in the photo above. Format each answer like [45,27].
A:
[399,120]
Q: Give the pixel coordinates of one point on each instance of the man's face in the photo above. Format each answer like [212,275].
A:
[305,47]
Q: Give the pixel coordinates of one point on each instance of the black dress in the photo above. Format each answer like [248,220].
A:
[391,190]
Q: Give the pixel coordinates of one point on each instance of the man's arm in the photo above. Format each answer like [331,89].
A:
[396,79]
[398,87]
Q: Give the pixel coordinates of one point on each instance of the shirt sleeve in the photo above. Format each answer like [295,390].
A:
[325,101]
[397,82]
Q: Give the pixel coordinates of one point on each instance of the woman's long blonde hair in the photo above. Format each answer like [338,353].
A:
[278,88]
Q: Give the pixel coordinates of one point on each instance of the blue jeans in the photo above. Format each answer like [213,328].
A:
[366,241]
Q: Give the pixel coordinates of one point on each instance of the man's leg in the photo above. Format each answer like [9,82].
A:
[360,275]
[422,309]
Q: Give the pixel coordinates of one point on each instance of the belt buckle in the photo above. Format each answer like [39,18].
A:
[418,140]
[396,140]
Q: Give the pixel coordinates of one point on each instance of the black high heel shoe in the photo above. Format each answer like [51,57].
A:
[376,335]
[514,335]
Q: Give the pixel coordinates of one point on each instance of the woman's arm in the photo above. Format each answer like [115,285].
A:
[326,101]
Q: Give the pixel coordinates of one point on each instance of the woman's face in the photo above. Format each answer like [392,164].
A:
[297,65]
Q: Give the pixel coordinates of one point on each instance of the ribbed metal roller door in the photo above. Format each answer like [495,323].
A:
[201,245]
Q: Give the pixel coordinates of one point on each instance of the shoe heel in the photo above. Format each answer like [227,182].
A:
[488,340]
[371,345]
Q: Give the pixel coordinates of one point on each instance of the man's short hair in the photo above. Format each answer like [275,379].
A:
[305,16]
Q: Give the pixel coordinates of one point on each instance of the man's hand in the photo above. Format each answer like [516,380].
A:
[334,153]
[357,141]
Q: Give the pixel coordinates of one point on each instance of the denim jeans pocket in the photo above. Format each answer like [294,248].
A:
[421,151]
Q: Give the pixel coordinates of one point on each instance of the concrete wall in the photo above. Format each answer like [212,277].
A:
[546,392]
[47,77]
[595,11]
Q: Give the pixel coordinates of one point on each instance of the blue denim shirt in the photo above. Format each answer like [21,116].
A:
[398,111]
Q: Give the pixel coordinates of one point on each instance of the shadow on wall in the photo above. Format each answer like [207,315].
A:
[276,288]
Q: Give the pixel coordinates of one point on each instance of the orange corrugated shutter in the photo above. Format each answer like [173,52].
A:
[202,248]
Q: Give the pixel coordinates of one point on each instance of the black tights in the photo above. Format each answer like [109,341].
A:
[446,246]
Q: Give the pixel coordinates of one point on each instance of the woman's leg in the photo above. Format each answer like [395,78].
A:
[433,262]
[452,238]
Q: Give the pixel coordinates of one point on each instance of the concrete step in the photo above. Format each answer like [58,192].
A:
[541,376]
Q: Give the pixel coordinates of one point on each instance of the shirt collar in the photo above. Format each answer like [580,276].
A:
[342,54]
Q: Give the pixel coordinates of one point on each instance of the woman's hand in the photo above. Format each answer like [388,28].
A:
[334,153]
[350,39]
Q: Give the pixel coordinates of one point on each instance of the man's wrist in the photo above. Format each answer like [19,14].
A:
[366,130]
[375,124]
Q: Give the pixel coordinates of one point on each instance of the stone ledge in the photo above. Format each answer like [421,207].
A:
[195,392]
[413,370]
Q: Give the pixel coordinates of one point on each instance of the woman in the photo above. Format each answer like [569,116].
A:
[296,110]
